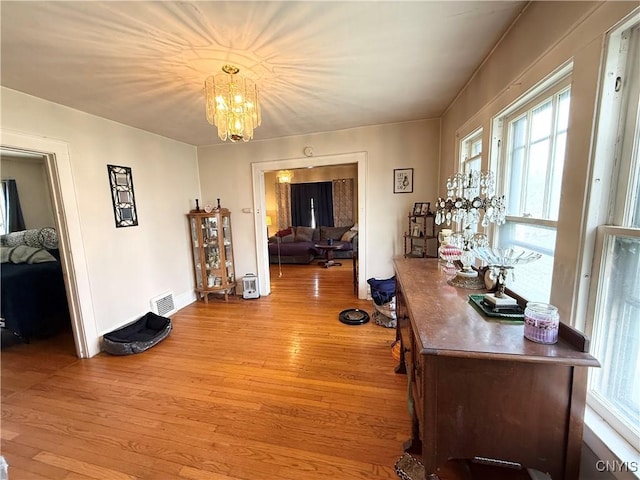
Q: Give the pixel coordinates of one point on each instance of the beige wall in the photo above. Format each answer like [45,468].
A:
[126,267]
[33,189]
[225,172]
[547,36]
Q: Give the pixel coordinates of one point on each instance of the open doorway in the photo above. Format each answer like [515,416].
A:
[67,224]
[357,159]
[34,299]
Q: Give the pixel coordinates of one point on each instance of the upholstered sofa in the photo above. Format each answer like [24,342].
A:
[298,244]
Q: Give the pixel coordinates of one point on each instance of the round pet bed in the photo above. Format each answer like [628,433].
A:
[137,336]
[353,316]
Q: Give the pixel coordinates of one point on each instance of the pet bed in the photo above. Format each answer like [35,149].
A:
[138,336]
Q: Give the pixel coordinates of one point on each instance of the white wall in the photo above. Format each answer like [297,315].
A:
[225,173]
[547,35]
[126,266]
[33,189]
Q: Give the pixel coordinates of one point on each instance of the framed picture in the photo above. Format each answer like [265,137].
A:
[403,180]
[124,205]
[417,208]
[416,231]
[426,208]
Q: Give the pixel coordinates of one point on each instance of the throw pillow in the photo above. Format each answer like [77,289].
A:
[285,232]
[332,233]
[288,238]
[304,234]
[46,237]
[348,235]
[25,254]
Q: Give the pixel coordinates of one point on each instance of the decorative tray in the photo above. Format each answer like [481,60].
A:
[516,313]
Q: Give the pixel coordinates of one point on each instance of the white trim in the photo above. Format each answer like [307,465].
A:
[60,175]
[258,169]
[607,444]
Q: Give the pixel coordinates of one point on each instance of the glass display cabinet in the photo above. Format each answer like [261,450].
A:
[212,250]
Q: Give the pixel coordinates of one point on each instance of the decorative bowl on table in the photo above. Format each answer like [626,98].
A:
[501,262]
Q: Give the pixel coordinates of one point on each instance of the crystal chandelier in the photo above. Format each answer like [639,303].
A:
[284,176]
[471,200]
[232,104]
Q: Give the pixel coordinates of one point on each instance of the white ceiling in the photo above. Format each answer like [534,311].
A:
[320,66]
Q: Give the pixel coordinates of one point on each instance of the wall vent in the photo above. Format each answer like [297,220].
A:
[163,305]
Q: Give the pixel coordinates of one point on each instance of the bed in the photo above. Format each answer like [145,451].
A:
[33,296]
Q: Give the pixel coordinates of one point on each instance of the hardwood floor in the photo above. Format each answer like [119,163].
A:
[272,389]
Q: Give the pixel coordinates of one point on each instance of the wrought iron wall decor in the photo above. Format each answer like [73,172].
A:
[124,205]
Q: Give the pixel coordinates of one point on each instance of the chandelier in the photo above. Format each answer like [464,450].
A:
[232,104]
[471,200]
[284,176]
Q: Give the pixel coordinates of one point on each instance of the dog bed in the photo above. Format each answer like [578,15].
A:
[138,336]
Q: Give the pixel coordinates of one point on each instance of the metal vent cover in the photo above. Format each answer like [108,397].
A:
[164,304]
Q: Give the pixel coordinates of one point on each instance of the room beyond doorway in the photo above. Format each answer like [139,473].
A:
[259,170]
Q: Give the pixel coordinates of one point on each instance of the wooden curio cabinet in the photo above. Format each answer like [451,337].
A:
[212,251]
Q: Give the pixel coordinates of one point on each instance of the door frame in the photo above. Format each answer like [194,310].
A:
[67,219]
[259,208]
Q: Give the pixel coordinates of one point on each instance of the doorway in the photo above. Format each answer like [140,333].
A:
[259,194]
[67,224]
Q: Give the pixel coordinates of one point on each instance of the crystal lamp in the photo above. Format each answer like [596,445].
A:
[470,201]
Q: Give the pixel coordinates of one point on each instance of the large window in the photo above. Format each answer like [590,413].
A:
[471,152]
[532,143]
[614,389]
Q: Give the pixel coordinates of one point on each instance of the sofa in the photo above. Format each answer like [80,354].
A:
[298,244]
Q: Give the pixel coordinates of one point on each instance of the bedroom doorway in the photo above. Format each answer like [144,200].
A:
[260,208]
[67,224]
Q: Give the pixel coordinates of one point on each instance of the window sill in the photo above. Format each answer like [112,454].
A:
[609,446]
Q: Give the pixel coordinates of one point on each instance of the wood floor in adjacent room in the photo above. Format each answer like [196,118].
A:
[268,389]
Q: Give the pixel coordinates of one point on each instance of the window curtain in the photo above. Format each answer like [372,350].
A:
[283,197]
[322,195]
[343,202]
[13,219]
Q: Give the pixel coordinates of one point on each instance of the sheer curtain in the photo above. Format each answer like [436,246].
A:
[283,197]
[343,202]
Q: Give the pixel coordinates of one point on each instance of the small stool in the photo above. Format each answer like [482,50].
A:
[480,468]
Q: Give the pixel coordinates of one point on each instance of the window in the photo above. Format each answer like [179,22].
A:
[532,141]
[471,152]
[3,212]
[614,303]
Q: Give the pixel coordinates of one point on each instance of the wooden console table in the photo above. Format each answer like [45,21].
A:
[478,387]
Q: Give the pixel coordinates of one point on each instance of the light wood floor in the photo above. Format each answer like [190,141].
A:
[268,389]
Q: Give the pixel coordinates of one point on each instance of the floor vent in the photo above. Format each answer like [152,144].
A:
[163,305]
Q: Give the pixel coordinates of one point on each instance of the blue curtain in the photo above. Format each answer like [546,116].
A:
[322,195]
[13,220]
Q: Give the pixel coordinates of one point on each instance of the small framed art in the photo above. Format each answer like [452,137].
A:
[403,180]
[124,205]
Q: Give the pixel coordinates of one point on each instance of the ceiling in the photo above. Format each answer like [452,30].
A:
[320,66]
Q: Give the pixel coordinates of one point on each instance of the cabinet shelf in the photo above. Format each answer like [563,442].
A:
[212,253]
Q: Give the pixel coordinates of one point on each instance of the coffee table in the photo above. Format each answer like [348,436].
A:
[328,254]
